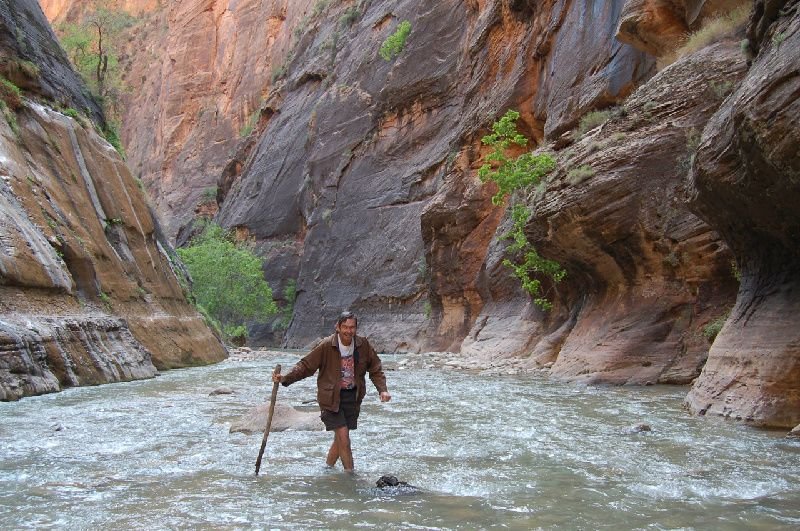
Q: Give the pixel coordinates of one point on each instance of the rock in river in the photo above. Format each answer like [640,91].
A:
[285,418]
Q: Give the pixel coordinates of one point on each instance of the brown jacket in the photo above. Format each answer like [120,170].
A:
[328,360]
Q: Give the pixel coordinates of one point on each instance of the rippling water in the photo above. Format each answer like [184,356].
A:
[510,452]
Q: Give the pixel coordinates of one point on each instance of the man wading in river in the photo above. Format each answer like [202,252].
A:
[342,360]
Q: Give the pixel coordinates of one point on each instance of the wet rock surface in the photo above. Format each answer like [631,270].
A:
[48,354]
[391,486]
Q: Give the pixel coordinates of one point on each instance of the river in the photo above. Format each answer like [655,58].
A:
[514,452]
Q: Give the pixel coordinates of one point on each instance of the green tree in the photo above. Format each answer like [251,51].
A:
[93,45]
[228,281]
[511,174]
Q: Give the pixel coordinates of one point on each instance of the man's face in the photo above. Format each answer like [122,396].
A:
[346,329]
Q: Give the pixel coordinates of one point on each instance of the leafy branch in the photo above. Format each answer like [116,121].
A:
[518,173]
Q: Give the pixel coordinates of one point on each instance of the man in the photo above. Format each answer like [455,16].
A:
[342,360]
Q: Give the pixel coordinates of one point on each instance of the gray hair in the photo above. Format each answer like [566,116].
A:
[344,316]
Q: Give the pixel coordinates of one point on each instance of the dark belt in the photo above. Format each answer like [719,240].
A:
[348,389]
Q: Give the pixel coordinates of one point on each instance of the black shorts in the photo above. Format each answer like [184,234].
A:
[347,414]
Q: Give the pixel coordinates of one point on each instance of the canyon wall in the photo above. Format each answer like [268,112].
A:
[746,182]
[89,291]
[357,177]
[347,146]
[58,11]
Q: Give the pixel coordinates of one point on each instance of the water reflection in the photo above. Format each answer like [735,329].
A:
[516,452]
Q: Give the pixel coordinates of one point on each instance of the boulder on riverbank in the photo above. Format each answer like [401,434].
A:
[285,418]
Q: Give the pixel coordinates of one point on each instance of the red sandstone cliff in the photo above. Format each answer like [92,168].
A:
[359,179]
[746,182]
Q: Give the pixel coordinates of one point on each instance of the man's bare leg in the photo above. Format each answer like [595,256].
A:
[333,453]
[341,449]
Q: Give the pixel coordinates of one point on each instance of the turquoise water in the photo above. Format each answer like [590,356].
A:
[516,452]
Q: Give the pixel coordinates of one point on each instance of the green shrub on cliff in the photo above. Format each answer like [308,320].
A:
[111,133]
[591,120]
[511,174]
[72,113]
[580,174]
[10,100]
[529,261]
[227,280]
[349,17]
[320,6]
[395,42]
[712,329]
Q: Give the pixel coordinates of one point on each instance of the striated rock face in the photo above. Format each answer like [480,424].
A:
[202,73]
[356,150]
[569,85]
[87,289]
[31,58]
[87,293]
[643,273]
[655,26]
[49,353]
[746,183]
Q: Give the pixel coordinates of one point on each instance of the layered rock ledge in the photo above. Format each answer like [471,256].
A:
[88,293]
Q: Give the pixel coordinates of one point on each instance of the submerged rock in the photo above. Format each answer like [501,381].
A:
[394,487]
[285,418]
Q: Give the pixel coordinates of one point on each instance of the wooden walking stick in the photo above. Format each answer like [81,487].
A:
[269,417]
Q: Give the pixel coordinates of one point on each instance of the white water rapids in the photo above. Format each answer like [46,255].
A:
[516,452]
